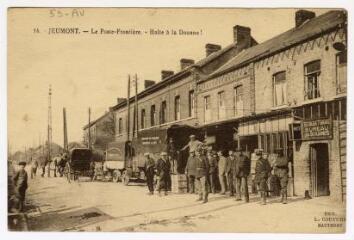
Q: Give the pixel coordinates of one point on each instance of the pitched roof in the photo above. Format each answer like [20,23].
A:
[97,120]
[309,29]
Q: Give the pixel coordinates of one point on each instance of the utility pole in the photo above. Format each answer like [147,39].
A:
[136,105]
[49,142]
[65,131]
[128,106]
[89,128]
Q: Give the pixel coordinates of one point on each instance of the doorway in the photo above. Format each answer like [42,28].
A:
[319,169]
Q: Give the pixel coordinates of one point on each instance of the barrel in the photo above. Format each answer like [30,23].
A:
[179,183]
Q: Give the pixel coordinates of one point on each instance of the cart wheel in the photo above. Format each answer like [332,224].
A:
[116,176]
[125,178]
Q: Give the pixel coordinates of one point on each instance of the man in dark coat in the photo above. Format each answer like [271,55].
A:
[241,171]
[213,170]
[149,167]
[262,170]
[281,172]
[202,172]
[222,164]
[20,180]
[191,171]
[163,173]
[230,165]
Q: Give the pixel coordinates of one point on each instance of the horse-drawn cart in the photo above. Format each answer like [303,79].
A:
[78,164]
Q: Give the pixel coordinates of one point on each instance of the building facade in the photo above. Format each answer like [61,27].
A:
[286,93]
[293,82]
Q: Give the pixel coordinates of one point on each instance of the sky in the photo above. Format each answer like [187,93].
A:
[90,70]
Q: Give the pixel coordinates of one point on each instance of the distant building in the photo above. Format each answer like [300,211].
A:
[102,131]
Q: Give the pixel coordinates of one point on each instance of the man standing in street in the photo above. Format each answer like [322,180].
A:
[222,171]
[202,172]
[163,168]
[191,171]
[20,180]
[281,172]
[34,166]
[262,173]
[213,170]
[241,171]
[149,168]
[230,165]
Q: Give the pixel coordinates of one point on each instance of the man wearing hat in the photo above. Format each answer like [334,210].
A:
[222,171]
[202,172]
[149,168]
[213,170]
[193,144]
[20,181]
[281,172]
[241,171]
[163,168]
[262,173]
[230,166]
[191,171]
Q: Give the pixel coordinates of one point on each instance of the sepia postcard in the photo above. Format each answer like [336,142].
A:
[185,120]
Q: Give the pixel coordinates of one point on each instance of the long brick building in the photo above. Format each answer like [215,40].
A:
[287,93]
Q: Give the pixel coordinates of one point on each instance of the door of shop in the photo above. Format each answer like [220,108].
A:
[319,167]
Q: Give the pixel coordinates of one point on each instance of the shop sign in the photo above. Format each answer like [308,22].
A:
[316,129]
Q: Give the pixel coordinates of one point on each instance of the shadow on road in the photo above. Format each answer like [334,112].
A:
[67,221]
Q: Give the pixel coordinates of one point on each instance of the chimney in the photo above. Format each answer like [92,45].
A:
[120,100]
[211,48]
[302,16]
[148,83]
[242,35]
[165,74]
[186,63]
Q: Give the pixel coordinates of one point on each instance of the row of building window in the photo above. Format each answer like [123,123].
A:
[312,73]
[221,105]
[163,112]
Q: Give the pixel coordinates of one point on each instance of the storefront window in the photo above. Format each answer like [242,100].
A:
[279,89]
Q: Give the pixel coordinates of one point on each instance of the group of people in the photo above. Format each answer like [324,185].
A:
[207,169]
[161,169]
[210,171]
